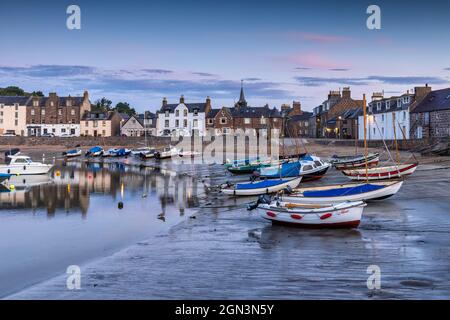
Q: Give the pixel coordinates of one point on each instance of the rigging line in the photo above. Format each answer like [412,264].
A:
[384,142]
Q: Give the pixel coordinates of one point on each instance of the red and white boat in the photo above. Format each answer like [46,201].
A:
[339,215]
[379,173]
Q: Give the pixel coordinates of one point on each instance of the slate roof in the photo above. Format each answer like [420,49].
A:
[191,107]
[302,117]
[393,104]
[148,115]
[437,100]
[62,101]
[212,113]
[255,112]
[97,116]
[9,101]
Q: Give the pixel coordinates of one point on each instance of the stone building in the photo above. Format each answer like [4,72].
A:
[430,118]
[101,124]
[220,121]
[56,115]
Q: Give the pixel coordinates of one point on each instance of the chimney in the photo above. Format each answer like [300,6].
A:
[346,93]
[164,102]
[421,92]
[85,96]
[296,108]
[182,99]
[208,105]
[52,95]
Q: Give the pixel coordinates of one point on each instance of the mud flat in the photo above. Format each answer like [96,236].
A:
[223,251]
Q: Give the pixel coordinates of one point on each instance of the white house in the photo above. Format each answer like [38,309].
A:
[383,113]
[182,119]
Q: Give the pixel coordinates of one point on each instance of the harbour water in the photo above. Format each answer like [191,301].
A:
[210,246]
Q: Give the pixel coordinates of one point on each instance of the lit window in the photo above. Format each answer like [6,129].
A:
[247,120]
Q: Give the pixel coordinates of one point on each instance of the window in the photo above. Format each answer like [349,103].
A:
[373,131]
[185,112]
[16,106]
[1,120]
[166,123]
[36,103]
[17,115]
[388,104]
[210,121]
[195,112]
[69,103]
[72,131]
[223,120]
[1,105]
[247,120]
[167,113]
[399,103]
[43,112]
[195,123]
[382,131]
[307,168]
[306,123]
[104,123]
[86,123]
[177,113]
[63,130]
[404,115]
[177,123]
[185,123]
[405,99]
[32,112]
[103,133]
[60,112]
[382,117]
[52,103]
[72,112]
[86,132]
[378,106]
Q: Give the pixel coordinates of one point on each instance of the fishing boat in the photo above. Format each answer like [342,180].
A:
[259,187]
[166,153]
[73,153]
[379,173]
[351,162]
[23,165]
[309,167]
[94,152]
[339,215]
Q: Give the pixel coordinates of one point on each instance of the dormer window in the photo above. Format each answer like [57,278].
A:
[223,120]
[378,106]
[388,104]
[195,112]
[167,113]
[406,100]
[36,103]
[43,112]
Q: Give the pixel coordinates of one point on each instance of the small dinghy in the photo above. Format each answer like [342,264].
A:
[240,162]
[259,187]
[73,153]
[137,152]
[343,163]
[339,215]
[380,173]
[166,153]
[344,192]
[149,154]
[94,152]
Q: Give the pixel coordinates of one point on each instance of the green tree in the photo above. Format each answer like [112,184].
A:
[37,94]
[124,107]
[102,105]
[12,91]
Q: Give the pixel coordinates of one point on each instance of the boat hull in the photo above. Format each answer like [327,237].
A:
[315,174]
[381,173]
[344,215]
[25,169]
[291,183]
[388,190]
[357,162]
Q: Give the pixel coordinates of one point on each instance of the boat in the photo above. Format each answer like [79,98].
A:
[137,152]
[188,154]
[259,187]
[309,167]
[350,162]
[121,152]
[339,215]
[4,176]
[379,173]
[23,165]
[73,153]
[166,153]
[94,152]
[377,190]
[238,162]
[147,154]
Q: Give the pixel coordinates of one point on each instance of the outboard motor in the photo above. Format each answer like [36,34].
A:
[262,199]
[288,190]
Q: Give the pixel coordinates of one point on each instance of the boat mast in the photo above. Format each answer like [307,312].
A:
[365,137]
[395,139]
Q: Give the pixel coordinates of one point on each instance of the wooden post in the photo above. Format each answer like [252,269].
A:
[365,136]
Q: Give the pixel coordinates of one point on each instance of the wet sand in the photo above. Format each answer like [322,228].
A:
[225,252]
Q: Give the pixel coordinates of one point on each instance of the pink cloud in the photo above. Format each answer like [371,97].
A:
[314,60]
[316,37]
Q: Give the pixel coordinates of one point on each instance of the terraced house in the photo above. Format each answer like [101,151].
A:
[59,116]
[101,124]
[13,115]
[139,125]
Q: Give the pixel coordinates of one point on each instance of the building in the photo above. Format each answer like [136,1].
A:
[430,118]
[13,112]
[101,124]
[384,113]
[296,120]
[182,119]
[56,115]
[139,125]
[220,121]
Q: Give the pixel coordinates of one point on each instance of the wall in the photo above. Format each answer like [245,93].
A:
[384,124]
[8,122]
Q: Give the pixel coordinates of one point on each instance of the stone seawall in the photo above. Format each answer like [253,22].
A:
[83,141]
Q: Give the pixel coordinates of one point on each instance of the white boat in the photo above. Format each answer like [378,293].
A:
[137,152]
[188,154]
[340,215]
[166,153]
[73,153]
[23,165]
[259,187]
[379,173]
[344,192]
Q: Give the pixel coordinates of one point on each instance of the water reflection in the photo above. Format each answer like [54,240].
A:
[71,187]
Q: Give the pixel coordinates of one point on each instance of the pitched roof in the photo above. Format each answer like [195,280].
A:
[11,100]
[62,101]
[255,112]
[201,107]
[435,101]
[212,113]
[301,117]
[98,115]
[380,106]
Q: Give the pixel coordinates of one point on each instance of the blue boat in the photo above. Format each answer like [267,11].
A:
[94,152]
[309,167]
[4,176]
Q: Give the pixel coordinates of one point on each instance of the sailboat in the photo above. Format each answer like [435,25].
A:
[254,188]
[384,172]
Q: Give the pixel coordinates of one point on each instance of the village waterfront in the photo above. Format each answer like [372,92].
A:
[154,231]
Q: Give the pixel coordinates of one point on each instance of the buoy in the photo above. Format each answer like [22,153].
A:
[296,216]
[58,173]
[325,216]
[271,214]
[12,187]
[120,205]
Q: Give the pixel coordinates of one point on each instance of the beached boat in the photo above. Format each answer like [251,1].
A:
[340,215]
[23,165]
[137,152]
[379,173]
[94,152]
[349,162]
[73,153]
[188,154]
[309,167]
[239,162]
[166,153]
[259,187]
[149,154]
[344,192]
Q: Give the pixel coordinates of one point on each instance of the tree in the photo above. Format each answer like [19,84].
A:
[37,94]
[12,91]
[124,107]
[102,105]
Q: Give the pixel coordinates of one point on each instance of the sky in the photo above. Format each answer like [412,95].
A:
[142,51]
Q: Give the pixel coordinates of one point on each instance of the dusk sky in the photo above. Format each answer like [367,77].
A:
[142,51]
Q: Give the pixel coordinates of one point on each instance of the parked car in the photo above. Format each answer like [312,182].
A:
[8,134]
[48,135]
